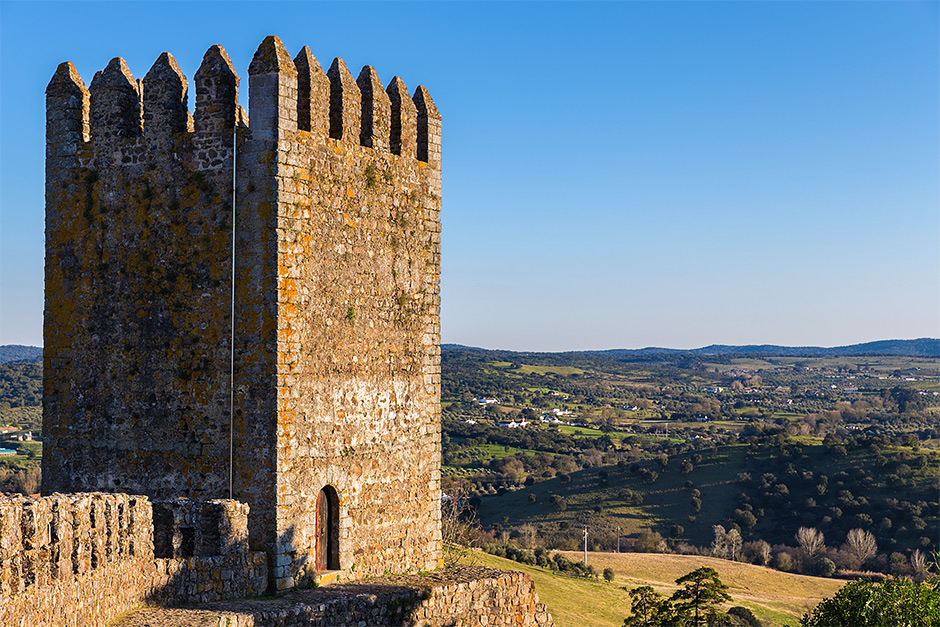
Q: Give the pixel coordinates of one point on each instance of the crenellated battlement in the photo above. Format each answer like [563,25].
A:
[53,538]
[118,114]
[83,559]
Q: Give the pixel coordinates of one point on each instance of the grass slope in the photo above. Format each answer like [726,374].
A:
[573,602]
[664,502]
[777,598]
[774,596]
[599,502]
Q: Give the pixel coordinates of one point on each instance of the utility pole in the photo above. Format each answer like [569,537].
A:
[618,539]
[585,546]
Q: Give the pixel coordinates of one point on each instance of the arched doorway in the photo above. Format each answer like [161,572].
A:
[327,549]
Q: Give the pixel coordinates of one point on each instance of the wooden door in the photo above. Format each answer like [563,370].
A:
[323,532]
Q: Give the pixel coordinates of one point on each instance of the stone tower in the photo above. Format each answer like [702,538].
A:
[305,378]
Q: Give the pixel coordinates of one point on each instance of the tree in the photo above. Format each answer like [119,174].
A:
[888,603]
[811,540]
[757,552]
[608,574]
[699,595]
[727,544]
[861,544]
[558,502]
[746,519]
[734,543]
[649,542]
[648,609]
[906,398]
[824,567]
[459,526]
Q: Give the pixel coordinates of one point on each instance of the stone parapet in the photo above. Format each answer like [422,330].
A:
[83,559]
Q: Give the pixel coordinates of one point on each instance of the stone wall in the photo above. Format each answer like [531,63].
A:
[336,186]
[462,597]
[84,559]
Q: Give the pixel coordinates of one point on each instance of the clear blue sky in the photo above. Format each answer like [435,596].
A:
[616,175]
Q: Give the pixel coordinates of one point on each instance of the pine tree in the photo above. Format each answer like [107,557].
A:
[648,609]
[702,590]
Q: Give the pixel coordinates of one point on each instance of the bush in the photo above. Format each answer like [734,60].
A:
[783,561]
[744,616]
[824,567]
[888,602]
[630,497]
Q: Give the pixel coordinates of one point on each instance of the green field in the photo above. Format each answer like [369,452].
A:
[775,597]
[22,459]
[478,457]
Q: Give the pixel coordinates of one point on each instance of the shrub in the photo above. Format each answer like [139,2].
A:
[744,616]
[824,567]
[888,602]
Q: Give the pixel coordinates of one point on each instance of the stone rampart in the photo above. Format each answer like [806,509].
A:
[84,559]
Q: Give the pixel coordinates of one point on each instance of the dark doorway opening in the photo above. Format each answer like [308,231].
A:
[327,549]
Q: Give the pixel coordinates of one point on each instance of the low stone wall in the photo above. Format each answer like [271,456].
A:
[205,579]
[460,597]
[84,559]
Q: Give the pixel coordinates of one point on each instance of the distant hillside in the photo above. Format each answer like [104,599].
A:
[16,352]
[923,347]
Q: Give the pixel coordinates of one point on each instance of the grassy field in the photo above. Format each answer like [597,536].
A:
[588,432]
[777,598]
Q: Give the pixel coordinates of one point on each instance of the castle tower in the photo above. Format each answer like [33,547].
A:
[332,363]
